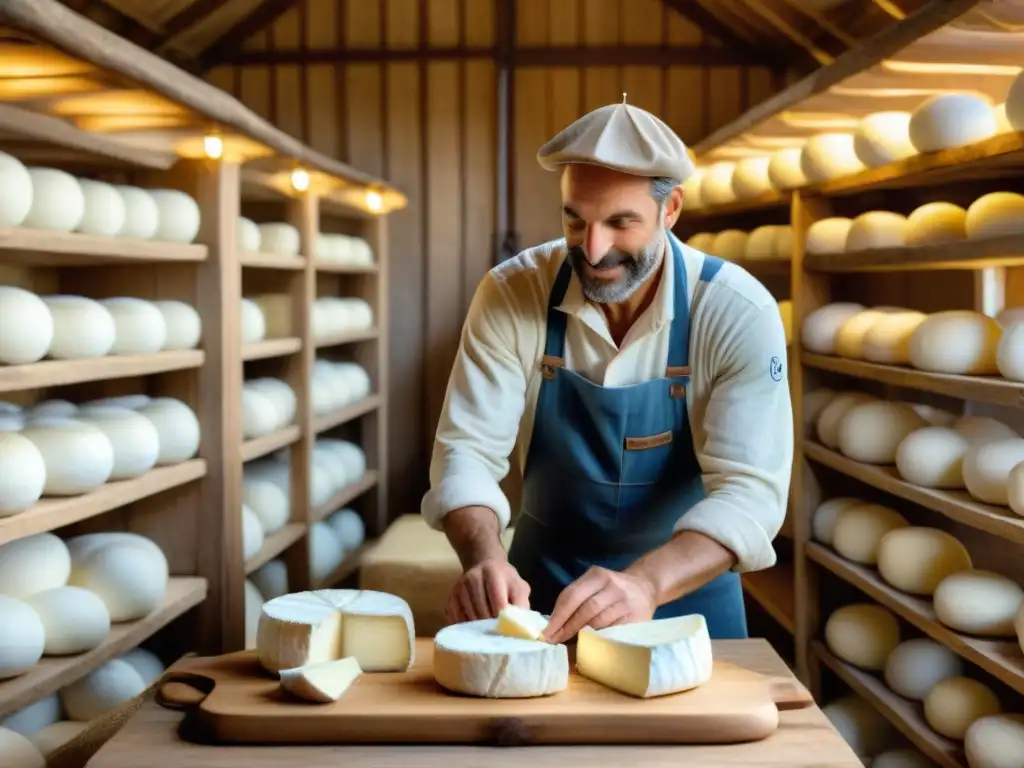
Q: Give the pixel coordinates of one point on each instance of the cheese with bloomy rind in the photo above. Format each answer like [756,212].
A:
[960,342]
[995,741]
[933,457]
[860,529]
[872,432]
[829,156]
[831,417]
[863,634]
[826,516]
[987,468]
[950,120]
[916,665]
[1010,353]
[956,702]
[647,658]
[785,169]
[311,627]
[916,559]
[474,659]
[514,621]
[883,138]
[979,603]
[820,327]
[324,682]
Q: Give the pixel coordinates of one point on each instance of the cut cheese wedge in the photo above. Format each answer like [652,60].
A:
[324,682]
[647,658]
[514,621]
[311,627]
[474,659]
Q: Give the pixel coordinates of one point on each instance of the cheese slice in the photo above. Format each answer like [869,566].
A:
[514,621]
[475,659]
[647,658]
[311,627]
[324,682]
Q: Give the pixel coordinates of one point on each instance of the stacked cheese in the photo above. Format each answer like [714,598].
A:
[57,448]
[336,385]
[339,464]
[334,316]
[268,405]
[63,327]
[276,237]
[344,249]
[763,243]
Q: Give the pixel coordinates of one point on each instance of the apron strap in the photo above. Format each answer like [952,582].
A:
[679,339]
[554,344]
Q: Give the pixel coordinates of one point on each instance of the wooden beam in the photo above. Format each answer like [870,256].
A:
[709,22]
[789,30]
[188,17]
[823,21]
[232,40]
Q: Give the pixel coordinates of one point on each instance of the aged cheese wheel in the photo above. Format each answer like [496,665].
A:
[702,241]
[814,402]
[828,235]
[134,438]
[140,328]
[33,564]
[141,213]
[887,340]
[183,324]
[983,429]
[716,188]
[850,336]
[37,715]
[1010,353]
[254,325]
[829,156]
[349,527]
[79,457]
[178,427]
[750,178]
[877,229]
[785,169]
[933,457]
[15,191]
[916,666]
[916,559]
[128,573]
[57,201]
[883,138]
[252,533]
[1015,103]
[958,341]
[272,579]
[1014,488]
[861,725]
[995,741]
[325,551]
[907,757]
[956,702]
[832,415]
[82,328]
[979,603]
[730,244]
[951,120]
[27,329]
[863,634]
[75,620]
[259,415]
[280,393]
[247,235]
[818,333]
[145,662]
[762,242]
[103,211]
[996,214]
[22,637]
[178,217]
[872,432]
[826,516]
[267,499]
[49,409]
[280,238]
[987,469]
[860,529]
[103,689]
[18,751]
[692,199]
[936,223]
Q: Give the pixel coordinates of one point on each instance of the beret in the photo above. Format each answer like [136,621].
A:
[621,137]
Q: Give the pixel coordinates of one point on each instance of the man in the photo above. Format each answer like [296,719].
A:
[644,383]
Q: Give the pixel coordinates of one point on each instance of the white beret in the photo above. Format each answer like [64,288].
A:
[621,137]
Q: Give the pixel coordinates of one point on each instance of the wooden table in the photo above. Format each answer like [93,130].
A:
[805,739]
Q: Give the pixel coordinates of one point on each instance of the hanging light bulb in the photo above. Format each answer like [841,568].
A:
[213,146]
[374,201]
[300,179]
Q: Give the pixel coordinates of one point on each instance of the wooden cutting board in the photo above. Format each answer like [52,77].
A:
[231,699]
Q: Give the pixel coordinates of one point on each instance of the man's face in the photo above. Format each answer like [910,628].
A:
[613,230]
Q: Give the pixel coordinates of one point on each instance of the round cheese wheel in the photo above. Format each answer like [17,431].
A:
[761,243]
[254,325]
[82,328]
[936,223]
[828,235]
[27,330]
[730,244]
[129,576]
[1010,317]
[104,209]
[951,120]
[36,716]
[49,409]
[814,402]
[750,178]
[863,634]
[103,689]
[135,440]
[908,757]
[850,336]
[183,324]
[22,636]
[987,469]
[54,736]
[57,201]
[17,751]
[716,187]
[883,138]
[349,528]
[826,516]
[916,666]
[997,214]
[268,500]
[692,198]
[177,426]
[1010,353]
[142,215]
[259,415]
[785,169]
[78,457]
[272,579]
[983,429]
[252,533]
[15,191]
[247,235]
[877,229]
[702,241]
[1015,103]
[132,402]
[280,238]
[829,156]
[1015,489]
[956,702]
[861,725]
[821,326]
[140,328]
[979,603]
[33,564]
[75,620]
[916,559]
[995,741]
[24,475]
[958,341]
[178,216]
[933,457]
[872,432]
[253,609]
[281,395]
[832,416]
[859,531]
[146,663]
[887,339]
[325,551]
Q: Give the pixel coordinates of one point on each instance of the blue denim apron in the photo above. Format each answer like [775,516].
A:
[611,470]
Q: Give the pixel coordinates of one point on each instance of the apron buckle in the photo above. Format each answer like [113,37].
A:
[548,364]
[676,390]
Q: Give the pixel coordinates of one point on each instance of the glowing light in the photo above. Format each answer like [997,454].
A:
[300,180]
[374,201]
[950,68]
[213,146]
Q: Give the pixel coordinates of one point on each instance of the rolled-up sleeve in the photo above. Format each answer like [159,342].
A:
[482,409]
[746,455]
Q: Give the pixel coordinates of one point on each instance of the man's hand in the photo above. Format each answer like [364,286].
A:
[600,598]
[484,589]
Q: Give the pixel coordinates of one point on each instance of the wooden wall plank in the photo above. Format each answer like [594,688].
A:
[403,23]
[478,22]
[479,151]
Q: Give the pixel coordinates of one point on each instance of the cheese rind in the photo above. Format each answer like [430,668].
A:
[648,658]
[474,659]
[324,682]
[514,621]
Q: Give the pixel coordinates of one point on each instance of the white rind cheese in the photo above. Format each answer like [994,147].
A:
[312,627]
[514,621]
[324,682]
[647,658]
[474,659]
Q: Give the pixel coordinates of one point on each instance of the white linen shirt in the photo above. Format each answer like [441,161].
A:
[740,415]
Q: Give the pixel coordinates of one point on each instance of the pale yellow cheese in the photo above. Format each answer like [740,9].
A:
[324,682]
[514,621]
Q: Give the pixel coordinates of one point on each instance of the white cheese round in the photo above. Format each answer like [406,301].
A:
[702,241]
[917,665]
[983,429]
[268,500]
[11,422]
[33,564]
[995,741]
[17,751]
[349,527]
[129,576]
[104,209]
[935,224]
[272,579]
[826,516]
[831,417]
[177,426]
[872,432]
[997,214]
[956,702]
[183,325]
[24,473]
[140,328]
[979,603]
[716,188]
[15,191]
[987,469]
[750,179]
[860,529]
[132,402]
[280,238]
[730,244]
[829,156]
[692,200]
[247,235]
[828,236]
[22,636]
[146,663]
[958,341]
[933,457]
[75,620]
[57,201]
[259,415]
[863,634]
[142,216]
[950,120]
[252,533]
[916,559]
[820,327]
[78,456]
[762,242]
[134,438]
[907,757]
[56,735]
[887,339]
[325,551]
[1010,353]
[883,138]
[51,409]
[877,229]
[103,689]
[1015,489]
[34,717]
[1015,104]
[82,328]
[253,605]
[178,216]
[861,725]
[850,336]
[254,325]
[280,394]
[785,169]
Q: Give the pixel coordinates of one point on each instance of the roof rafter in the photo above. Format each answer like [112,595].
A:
[188,17]
[233,39]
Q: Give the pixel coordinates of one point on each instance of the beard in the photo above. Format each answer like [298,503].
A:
[637,267]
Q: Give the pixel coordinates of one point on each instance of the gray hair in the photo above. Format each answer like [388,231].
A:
[661,188]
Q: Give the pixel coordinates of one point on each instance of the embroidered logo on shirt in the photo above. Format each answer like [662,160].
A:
[775,368]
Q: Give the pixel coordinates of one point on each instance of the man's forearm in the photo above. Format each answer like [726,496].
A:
[685,563]
[475,535]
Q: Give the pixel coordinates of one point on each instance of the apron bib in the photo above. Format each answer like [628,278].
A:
[610,470]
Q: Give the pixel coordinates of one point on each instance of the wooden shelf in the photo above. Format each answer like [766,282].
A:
[982,389]
[766,267]
[46,248]
[772,589]
[274,545]
[906,716]
[345,496]
[348,566]
[346,269]
[258,260]
[59,373]
[52,673]
[327,421]
[262,350]
[349,337]
[275,441]
[956,505]
[52,513]
[772,199]
[1007,251]
[1001,659]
